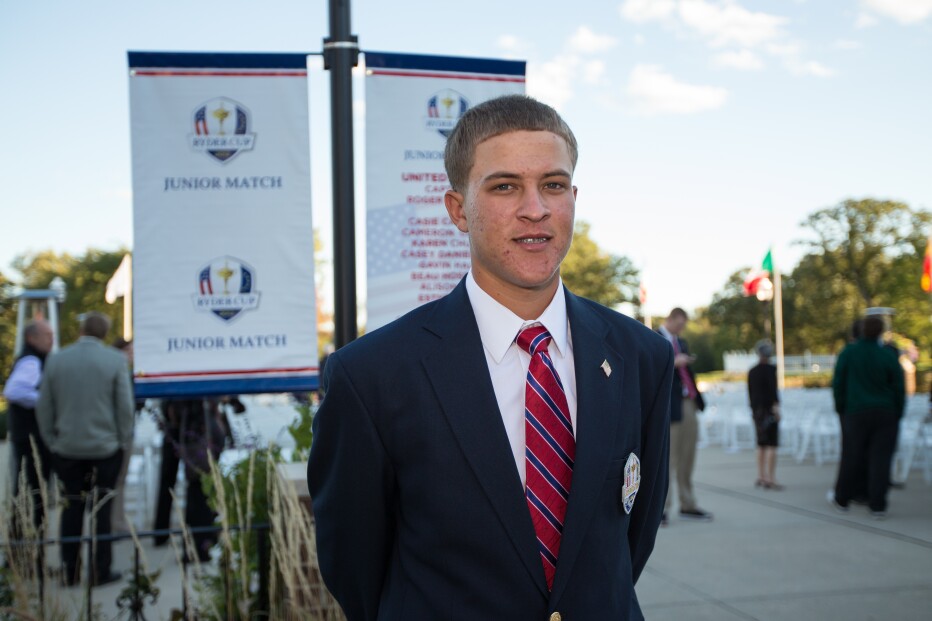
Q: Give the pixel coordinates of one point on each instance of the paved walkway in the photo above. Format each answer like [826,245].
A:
[788,555]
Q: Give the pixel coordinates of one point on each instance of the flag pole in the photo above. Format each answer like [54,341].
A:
[128,301]
[778,320]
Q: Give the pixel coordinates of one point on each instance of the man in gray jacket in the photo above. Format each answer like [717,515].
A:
[85,416]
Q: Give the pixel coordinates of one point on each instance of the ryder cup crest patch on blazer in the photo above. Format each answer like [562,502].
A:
[632,482]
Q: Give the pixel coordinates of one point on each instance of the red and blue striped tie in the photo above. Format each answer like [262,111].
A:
[550,447]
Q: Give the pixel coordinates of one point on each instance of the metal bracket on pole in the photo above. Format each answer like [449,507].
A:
[331,46]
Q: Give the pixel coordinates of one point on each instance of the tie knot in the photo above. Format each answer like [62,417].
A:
[534,339]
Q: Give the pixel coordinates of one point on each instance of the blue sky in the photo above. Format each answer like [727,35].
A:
[708,129]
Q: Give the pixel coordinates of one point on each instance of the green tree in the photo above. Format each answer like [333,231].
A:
[861,253]
[593,273]
[86,279]
[7,326]
[864,253]
[859,241]
[732,322]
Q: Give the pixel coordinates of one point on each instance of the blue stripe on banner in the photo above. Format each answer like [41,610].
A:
[188,388]
[217,60]
[386,60]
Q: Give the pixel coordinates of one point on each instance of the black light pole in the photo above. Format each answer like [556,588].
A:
[341,53]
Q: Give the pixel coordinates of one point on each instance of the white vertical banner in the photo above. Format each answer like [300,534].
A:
[414,253]
[223,277]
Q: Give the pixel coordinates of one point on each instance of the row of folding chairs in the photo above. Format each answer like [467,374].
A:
[810,429]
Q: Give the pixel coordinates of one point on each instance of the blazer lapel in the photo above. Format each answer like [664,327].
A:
[459,374]
[598,399]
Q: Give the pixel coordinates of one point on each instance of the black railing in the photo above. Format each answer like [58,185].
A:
[132,601]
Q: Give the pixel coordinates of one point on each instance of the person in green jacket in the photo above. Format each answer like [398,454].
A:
[869,396]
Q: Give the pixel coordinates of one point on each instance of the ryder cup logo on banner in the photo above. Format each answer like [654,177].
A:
[226,287]
[221,129]
[444,109]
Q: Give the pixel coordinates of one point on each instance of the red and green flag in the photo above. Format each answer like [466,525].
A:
[927,268]
[759,279]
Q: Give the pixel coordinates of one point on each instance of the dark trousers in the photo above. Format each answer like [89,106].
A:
[24,463]
[869,444]
[80,479]
[859,491]
[196,510]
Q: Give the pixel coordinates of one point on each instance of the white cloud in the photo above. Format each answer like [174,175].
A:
[743,33]
[555,80]
[513,46]
[809,67]
[653,91]
[585,41]
[745,60]
[791,54]
[728,22]
[640,11]
[903,11]
[509,43]
[552,81]
[847,44]
[784,50]
[864,20]
[593,71]
[639,39]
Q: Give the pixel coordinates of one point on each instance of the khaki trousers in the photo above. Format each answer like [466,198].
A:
[683,438]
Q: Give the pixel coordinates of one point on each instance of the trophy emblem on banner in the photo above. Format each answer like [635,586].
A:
[226,287]
[212,132]
[444,109]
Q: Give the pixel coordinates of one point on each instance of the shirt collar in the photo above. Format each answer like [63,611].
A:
[498,326]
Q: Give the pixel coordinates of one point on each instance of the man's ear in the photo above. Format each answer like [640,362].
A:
[456,209]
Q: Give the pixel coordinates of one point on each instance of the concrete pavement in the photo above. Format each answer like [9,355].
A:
[788,555]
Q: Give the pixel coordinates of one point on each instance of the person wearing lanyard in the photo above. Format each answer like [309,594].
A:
[686,401]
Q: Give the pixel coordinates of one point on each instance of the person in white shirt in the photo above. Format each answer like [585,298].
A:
[32,461]
[500,453]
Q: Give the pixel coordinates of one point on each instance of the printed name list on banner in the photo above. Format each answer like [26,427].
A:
[414,252]
[224,253]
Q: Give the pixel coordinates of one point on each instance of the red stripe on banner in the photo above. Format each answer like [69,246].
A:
[144,376]
[454,76]
[236,74]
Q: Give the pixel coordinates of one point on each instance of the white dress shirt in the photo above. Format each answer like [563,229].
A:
[22,388]
[508,363]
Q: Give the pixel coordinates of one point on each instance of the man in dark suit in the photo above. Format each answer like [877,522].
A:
[686,402]
[500,453]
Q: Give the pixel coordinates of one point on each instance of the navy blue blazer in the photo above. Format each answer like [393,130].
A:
[419,508]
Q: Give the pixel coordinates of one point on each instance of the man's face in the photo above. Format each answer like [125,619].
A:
[42,339]
[675,325]
[518,208]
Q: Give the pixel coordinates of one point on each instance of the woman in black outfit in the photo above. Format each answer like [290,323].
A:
[765,408]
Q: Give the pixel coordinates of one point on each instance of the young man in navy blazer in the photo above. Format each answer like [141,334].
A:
[500,453]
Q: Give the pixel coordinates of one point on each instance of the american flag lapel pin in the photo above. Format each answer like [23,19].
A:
[606,368]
